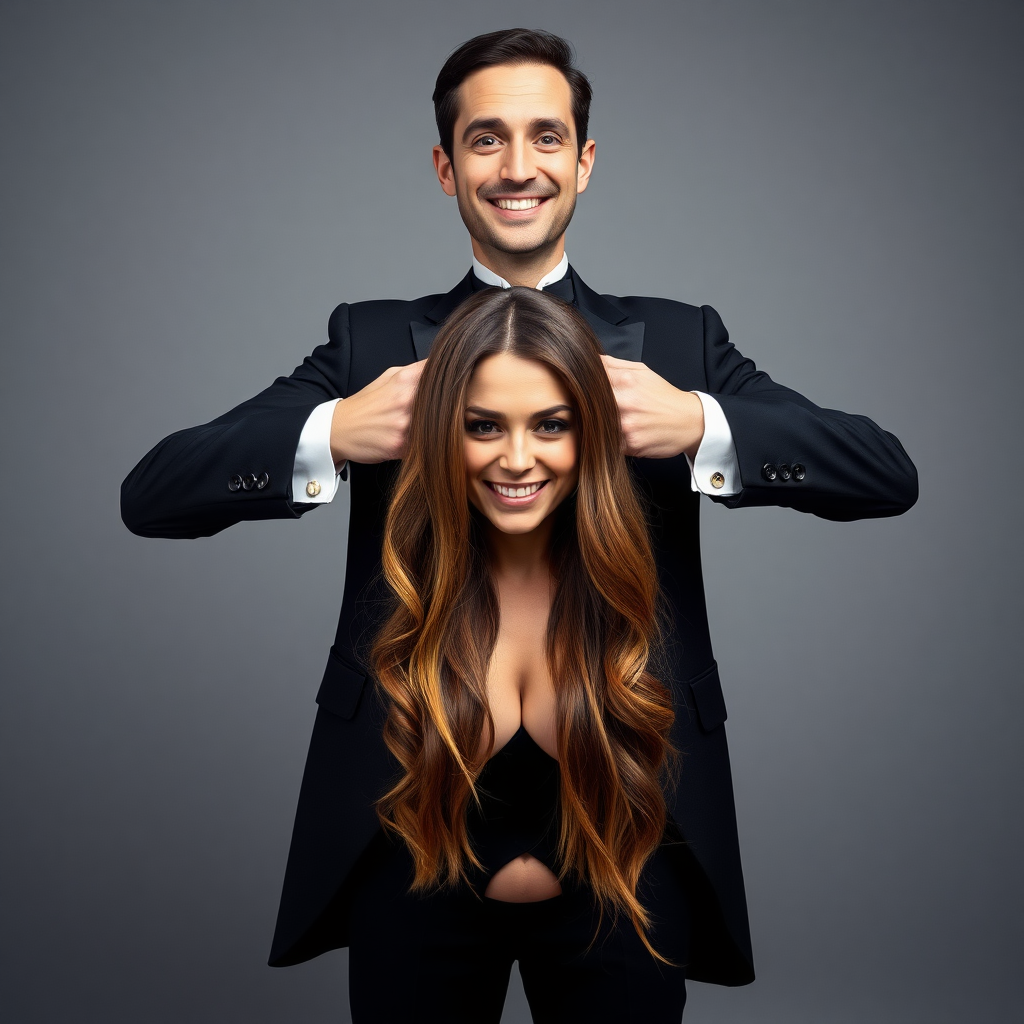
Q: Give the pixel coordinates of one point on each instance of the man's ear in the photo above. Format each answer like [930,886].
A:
[585,166]
[445,171]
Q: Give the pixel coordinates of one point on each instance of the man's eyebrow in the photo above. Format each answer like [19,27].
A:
[552,124]
[484,124]
[543,414]
[499,126]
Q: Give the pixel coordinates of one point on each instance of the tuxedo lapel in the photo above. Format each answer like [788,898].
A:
[618,338]
[608,320]
[422,337]
[424,331]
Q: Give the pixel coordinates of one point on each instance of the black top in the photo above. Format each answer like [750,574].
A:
[519,791]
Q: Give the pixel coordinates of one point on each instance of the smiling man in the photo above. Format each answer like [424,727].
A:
[516,163]
[512,112]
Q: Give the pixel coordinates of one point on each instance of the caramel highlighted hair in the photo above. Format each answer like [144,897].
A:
[432,652]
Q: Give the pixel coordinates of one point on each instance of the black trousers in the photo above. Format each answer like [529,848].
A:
[446,957]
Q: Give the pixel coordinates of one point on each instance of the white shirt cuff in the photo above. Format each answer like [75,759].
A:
[715,470]
[314,478]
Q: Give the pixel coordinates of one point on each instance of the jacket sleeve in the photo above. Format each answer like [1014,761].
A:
[199,481]
[792,453]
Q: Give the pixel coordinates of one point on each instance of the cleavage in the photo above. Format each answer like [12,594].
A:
[520,736]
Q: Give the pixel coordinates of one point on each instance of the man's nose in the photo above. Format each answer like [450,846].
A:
[519,163]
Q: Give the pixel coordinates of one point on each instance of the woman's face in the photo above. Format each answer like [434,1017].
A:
[521,442]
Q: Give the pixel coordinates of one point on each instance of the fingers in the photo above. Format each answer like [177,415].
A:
[406,377]
[622,373]
[620,364]
[411,371]
[372,424]
[397,378]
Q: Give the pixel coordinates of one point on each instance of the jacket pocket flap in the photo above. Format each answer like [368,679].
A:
[341,687]
[708,698]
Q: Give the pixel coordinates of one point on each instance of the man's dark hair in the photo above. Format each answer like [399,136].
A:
[508,46]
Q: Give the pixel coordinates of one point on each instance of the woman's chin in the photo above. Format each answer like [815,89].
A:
[513,524]
[515,521]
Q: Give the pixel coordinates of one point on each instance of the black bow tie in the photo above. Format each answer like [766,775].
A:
[562,289]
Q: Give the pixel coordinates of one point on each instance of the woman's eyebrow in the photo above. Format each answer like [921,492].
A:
[491,414]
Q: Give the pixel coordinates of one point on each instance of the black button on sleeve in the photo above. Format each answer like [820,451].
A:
[798,471]
[769,472]
[248,482]
[784,471]
[235,483]
[264,479]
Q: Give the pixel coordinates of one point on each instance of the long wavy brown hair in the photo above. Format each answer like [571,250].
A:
[432,653]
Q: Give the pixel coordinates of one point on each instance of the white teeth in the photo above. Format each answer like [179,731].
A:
[517,492]
[517,204]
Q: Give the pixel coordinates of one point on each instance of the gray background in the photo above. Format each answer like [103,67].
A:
[189,188]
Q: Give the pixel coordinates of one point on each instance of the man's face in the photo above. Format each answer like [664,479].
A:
[516,168]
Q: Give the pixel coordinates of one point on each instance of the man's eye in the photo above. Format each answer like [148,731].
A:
[487,141]
[549,140]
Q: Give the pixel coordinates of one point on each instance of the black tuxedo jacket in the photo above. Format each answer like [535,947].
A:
[199,481]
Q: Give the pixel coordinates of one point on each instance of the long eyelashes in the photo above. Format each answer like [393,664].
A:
[488,428]
[560,426]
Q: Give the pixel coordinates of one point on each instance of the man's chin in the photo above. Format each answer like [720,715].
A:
[520,247]
[522,239]
[520,242]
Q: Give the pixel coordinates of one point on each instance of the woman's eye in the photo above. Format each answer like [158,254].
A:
[553,426]
[482,427]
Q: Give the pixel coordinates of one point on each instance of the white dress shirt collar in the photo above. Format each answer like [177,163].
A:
[491,278]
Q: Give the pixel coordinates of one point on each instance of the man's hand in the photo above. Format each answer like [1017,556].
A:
[658,420]
[371,425]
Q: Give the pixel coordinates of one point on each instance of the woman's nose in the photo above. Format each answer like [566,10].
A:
[518,456]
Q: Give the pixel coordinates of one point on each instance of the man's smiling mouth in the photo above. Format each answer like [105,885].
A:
[517,204]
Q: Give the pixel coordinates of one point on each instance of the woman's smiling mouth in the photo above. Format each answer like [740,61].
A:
[516,494]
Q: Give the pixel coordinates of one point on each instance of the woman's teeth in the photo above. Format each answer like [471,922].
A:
[518,492]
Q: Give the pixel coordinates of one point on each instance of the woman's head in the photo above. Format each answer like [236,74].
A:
[515,399]
[515,391]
